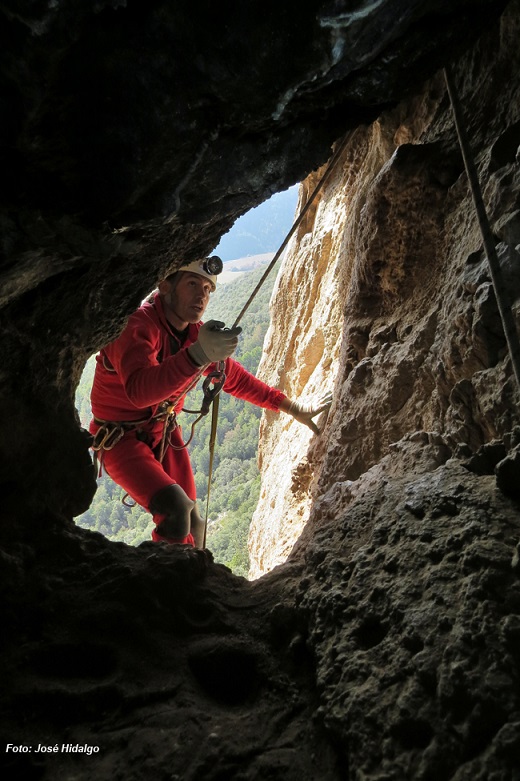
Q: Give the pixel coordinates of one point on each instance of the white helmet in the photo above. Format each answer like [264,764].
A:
[205,267]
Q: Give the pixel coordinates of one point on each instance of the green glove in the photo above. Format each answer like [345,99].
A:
[305,414]
[214,343]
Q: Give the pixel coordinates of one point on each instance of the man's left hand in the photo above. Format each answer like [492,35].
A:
[305,413]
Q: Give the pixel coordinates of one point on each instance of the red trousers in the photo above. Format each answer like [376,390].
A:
[133,464]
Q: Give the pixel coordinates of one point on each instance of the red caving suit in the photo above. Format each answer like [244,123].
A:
[145,366]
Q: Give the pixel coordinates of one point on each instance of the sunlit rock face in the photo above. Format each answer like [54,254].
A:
[405,510]
[385,298]
[302,354]
[387,647]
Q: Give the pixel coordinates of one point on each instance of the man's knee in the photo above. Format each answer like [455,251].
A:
[174,503]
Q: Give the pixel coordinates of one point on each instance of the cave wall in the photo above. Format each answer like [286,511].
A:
[404,512]
[391,302]
[387,646]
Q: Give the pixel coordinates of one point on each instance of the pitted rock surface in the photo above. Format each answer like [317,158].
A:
[387,646]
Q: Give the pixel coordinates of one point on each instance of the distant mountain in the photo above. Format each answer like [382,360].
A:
[262,229]
[248,263]
[233,269]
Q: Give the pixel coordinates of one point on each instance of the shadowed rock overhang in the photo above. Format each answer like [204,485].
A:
[133,134]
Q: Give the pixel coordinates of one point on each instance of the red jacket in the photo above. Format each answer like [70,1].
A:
[137,371]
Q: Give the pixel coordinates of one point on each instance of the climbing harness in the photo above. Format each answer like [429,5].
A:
[111,432]
[169,424]
[107,436]
[501,292]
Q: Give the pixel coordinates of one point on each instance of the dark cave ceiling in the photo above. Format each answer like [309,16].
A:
[141,111]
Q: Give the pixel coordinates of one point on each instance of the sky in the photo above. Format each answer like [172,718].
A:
[262,229]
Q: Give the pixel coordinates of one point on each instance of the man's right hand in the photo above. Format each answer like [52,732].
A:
[214,343]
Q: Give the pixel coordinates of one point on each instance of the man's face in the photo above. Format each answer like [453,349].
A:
[188,297]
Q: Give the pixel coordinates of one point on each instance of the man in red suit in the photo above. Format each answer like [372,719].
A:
[140,383]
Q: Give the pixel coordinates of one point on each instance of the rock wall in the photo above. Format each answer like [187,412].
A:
[385,297]
[301,356]
[388,646]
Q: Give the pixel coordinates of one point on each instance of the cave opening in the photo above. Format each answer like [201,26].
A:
[245,251]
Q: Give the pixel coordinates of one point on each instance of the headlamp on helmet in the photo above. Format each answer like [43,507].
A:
[213,265]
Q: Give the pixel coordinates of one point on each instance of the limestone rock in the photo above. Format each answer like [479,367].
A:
[386,300]
[387,646]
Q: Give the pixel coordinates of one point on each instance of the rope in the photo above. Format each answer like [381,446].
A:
[212,397]
[216,400]
[501,293]
[212,440]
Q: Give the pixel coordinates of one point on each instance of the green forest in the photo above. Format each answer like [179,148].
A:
[235,485]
